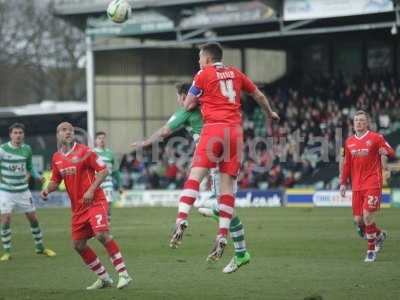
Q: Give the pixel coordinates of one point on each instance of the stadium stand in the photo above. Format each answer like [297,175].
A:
[315,108]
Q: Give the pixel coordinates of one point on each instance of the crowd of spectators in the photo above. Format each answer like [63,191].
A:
[303,149]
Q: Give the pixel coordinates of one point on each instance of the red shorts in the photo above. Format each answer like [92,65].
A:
[369,200]
[220,145]
[85,225]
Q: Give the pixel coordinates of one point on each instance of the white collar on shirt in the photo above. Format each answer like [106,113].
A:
[361,137]
[12,146]
[70,150]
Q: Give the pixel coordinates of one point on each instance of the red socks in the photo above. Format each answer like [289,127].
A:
[189,195]
[92,261]
[115,256]
[226,206]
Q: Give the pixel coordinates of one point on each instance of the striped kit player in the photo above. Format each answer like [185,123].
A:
[15,170]
[113,174]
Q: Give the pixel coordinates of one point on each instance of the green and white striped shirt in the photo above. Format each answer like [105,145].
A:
[15,165]
[108,157]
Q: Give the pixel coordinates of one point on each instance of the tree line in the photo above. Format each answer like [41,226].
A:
[41,55]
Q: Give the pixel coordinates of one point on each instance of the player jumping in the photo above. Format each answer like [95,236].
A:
[83,172]
[15,170]
[362,164]
[217,89]
[108,157]
[193,122]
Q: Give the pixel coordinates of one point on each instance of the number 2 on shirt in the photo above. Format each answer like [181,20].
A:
[227,89]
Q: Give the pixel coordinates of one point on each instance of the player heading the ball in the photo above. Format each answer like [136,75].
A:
[217,89]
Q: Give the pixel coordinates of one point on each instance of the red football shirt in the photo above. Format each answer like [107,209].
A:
[218,88]
[77,168]
[362,161]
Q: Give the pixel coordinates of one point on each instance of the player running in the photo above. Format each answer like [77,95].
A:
[362,164]
[15,170]
[83,172]
[217,89]
[108,158]
[193,122]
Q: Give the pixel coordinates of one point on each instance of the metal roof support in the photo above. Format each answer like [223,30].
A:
[396,11]
[296,24]
[307,31]
[183,37]
[254,36]
[90,74]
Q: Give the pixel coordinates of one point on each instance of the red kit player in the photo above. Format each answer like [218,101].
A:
[362,164]
[83,172]
[217,89]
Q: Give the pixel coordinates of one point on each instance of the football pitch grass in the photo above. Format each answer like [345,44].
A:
[296,253]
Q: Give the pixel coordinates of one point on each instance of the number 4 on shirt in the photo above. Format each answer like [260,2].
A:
[227,89]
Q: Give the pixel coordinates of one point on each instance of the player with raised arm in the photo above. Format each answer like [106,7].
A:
[107,156]
[83,172]
[193,122]
[217,89]
[15,170]
[362,164]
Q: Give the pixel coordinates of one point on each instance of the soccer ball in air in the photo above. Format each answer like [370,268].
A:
[119,11]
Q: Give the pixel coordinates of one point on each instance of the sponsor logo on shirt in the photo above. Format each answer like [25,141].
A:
[360,152]
[68,171]
[15,167]
[75,159]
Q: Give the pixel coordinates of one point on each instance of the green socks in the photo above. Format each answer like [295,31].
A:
[37,237]
[5,233]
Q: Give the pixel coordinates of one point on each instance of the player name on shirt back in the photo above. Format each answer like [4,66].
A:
[225,75]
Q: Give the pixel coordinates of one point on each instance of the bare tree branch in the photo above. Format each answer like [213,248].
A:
[42,49]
